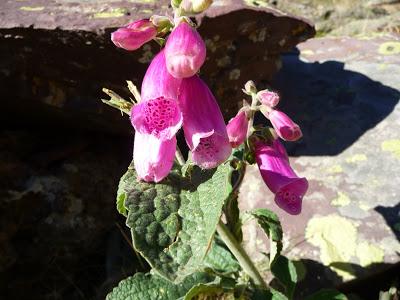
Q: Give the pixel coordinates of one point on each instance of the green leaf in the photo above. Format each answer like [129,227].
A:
[221,260]
[209,292]
[271,225]
[123,189]
[173,222]
[232,215]
[153,287]
[327,294]
[285,271]
[270,294]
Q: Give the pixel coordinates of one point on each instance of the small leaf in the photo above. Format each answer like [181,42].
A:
[285,271]
[153,287]
[270,294]
[327,294]
[221,260]
[232,214]
[208,291]
[271,225]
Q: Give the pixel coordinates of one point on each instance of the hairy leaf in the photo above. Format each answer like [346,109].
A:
[173,222]
[271,225]
[153,287]
[221,260]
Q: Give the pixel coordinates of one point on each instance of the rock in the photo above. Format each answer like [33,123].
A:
[344,93]
[57,211]
[57,55]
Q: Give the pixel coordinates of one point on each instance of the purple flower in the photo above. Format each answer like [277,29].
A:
[134,35]
[280,178]
[185,51]
[153,158]
[284,126]
[203,124]
[268,98]
[158,113]
[237,129]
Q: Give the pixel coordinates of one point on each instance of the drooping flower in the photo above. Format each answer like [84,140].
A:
[284,126]
[237,129]
[134,35]
[279,176]
[185,51]
[203,125]
[268,98]
[153,158]
[158,112]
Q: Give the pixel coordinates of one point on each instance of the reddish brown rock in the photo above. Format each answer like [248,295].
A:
[57,55]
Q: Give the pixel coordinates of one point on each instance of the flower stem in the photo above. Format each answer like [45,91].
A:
[254,102]
[179,157]
[240,254]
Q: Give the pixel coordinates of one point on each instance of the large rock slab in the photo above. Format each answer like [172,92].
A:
[56,55]
[344,92]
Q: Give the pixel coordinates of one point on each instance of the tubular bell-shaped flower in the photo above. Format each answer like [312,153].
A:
[280,178]
[284,126]
[185,51]
[153,158]
[204,126]
[158,113]
[134,35]
[237,129]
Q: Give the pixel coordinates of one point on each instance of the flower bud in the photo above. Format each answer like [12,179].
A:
[161,22]
[250,87]
[134,35]
[203,125]
[176,3]
[237,129]
[185,51]
[153,158]
[284,126]
[195,6]
[268,98]
[280,178]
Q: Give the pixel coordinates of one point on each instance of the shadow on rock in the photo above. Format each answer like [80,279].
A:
[315,276]
[392,217]
[334,106]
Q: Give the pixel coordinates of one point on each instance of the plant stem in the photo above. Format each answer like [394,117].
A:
[179,156]
[240,254]
[251,120]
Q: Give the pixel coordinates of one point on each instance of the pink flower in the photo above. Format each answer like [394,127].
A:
[280,178]
[153,158]
[237,129]
[158,113]
[134,35]
[268,98]
[204,126]
[185,51]
[284,126]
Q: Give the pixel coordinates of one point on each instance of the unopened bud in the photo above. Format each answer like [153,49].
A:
[175,3]
[250,87]
[199,6]
[162,23]
[195,6]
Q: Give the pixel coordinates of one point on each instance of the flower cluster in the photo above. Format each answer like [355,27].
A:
[173,96]
[270,155]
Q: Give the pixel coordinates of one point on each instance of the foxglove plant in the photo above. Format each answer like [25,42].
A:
[175,207]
